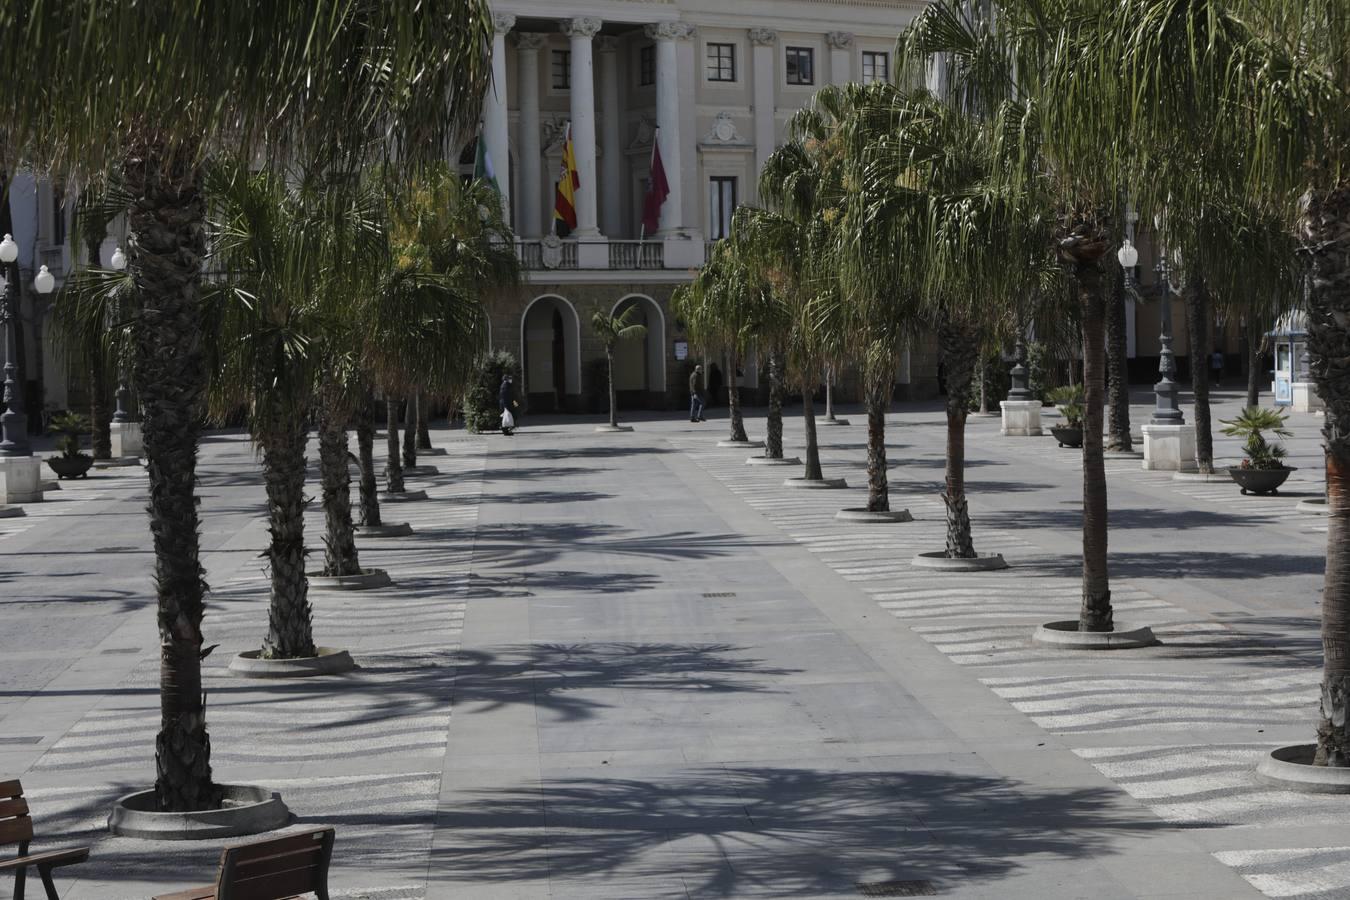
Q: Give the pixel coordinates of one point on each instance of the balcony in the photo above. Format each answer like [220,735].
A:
[672,256]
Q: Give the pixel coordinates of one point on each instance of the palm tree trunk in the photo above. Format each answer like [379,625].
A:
[1197,323]
[1096,614]
[166,220]
[773,428]
[959,345]
[99,416]
[734,399]
[423,428]
[339,555]
[365,449]
[813,472]
[613,394]
[1117,365]
[878,399]
[290,633]
[1325,232]
[393,467]
[410,431]
[1254,372]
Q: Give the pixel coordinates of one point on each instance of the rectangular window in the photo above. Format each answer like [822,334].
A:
[721,62]
[562,70]
[721,204]
[801,68]
[876,67]
[647,65]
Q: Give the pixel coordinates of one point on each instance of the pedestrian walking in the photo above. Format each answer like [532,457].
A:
[696,395]
[1216,366]
[507,401]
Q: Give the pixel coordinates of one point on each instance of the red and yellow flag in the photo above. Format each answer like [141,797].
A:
[564,201]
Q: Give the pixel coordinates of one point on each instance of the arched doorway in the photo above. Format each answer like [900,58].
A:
[640,366]
[550,354]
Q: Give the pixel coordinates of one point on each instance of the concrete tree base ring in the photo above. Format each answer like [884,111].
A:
[421,470]
[1066,636]
[367,580]
[433,451]
[50,486]
[1203,476]
[983,562]
[815,483]
[1123,454]
[986,415]
[402,496]
[119,463]
[1316,506]
[868,515]
[330,661]
[745,444]
[11,512]
[1291,768]
[612,429]
[828,422]
[386,529]
[247,810]
[766,461]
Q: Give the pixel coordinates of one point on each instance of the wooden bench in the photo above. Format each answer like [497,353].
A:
[279,868]
[17,828]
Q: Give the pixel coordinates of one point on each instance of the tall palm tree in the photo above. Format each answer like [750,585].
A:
[150,91]
[611,330]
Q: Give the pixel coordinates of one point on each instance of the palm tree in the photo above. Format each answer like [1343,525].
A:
[150,92]
[611,329]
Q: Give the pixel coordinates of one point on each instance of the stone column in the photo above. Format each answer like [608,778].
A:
[494,111]
[765,85]
[841,56]
[668,119]
[530,162]
[611,153]
[581,31]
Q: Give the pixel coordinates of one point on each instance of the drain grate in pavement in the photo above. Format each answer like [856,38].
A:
[122,650]
[26,739]
[896,889]
[720,594]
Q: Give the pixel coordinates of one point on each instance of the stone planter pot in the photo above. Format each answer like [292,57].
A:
[385,529]
[1292,769]
[330,661]
[766,461]
[612,429]
[874,516]
[745,444]
[815,483]
[367,580]
[71,466]
[1260,481]
[247,810]
[983,562]
[1067,436]
[402,496]
[1066,636]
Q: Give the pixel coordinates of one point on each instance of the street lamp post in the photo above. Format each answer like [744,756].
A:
[13,422]
[1165,410]
[121,414]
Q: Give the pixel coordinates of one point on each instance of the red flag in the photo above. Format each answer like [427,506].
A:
[658,189]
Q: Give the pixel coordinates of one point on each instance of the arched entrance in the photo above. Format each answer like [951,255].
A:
[640,366]
[550,354]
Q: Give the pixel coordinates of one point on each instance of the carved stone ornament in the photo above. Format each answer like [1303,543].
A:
[503,22]
[552,131]
[531,40]
[762,37]
[643,135]
[551,251]
[839,40]
[723,132]
[581,27]
[669,31]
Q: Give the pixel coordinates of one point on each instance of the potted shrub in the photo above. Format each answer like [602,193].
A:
[1069,399]
[1263,470]
[71,463]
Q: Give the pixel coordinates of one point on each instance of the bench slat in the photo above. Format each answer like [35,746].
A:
[207,892]
[274,886]
[281,862]
[286,843]
[12,788]
[15,806]
[14,831]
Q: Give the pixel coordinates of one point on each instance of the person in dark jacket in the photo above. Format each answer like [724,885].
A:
[696,395]
[507,401]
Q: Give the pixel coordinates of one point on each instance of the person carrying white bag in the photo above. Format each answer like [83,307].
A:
[507,402]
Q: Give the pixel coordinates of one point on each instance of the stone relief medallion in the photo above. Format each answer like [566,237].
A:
[551,251]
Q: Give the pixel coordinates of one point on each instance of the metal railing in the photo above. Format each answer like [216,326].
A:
[636,255]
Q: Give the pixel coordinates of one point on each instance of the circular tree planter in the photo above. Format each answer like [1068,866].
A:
[401,496]
[612,429]
[330,661]
[367,580]
[421,470]
[829,422]
[12,512]
[1201,476]
[1067,437]
[247,810]
[982,562]
[1066,636]
[1123,454]
[385,529]
[815,483]
[1292,769]
[869,515]
[1260,481]
[767,461]
[1316,506]
[745,444]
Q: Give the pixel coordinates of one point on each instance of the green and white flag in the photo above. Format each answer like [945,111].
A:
[482,165]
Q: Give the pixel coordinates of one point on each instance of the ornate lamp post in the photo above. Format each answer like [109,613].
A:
[13,422]
[119,263]
[1166,411]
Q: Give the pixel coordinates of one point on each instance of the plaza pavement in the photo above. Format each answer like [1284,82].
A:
[631,666]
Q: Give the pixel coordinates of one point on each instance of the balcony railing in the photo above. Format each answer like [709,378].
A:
[636,255]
